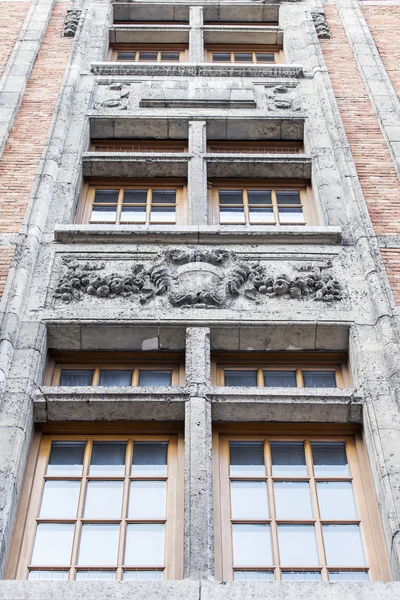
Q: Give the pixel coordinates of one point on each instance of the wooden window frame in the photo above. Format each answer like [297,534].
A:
[254,49]
[377,563]
[24,534]
[136,361]
[157,23]
[241,23]
[137,145]
[183,50]
[254,147]
[308,204]
[281,361]
[84,210]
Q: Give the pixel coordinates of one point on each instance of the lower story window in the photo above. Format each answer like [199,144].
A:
[294,508]
[103,508]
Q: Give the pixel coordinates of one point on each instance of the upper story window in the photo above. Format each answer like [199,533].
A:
[144,146]
[151,23]
[254,147]
[244,54]
[262,203]
[294,508]
[243,23]
[148,53]
[140,202]
[103,508]
[115,369]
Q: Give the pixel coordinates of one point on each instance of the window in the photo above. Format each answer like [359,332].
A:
[114,145]
[103,508]
[267,203]
[280,369]
[144,203]
[244,54]
[254,147]
[294,508]
[115,369]
[148,53]
[242,23]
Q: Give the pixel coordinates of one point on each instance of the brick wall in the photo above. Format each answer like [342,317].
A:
[12,17]
[20,161]
[374,165]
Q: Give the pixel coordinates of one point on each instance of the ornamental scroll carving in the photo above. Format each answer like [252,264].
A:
[282,97]
[71,23]
[198,278]
[321,25]
[115,95]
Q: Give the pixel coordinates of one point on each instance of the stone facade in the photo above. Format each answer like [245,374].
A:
[199,287]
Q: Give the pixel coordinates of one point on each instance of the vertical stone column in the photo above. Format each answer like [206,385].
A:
[196,38]
[199,524]
[197,174]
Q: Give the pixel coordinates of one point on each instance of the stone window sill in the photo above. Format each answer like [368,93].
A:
[129,164]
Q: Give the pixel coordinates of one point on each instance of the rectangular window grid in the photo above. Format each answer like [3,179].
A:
[103,509]
[148,53]
[254,147]
[243,57]
[114,375]
[294,509]
[145,146]
[314,377]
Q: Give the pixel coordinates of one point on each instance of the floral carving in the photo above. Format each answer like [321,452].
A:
[321,25]
[198,278]
[116,96]
[71,23]
[282,97]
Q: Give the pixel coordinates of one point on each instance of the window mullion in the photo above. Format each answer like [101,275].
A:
[315,509]
[299,378]
[148,205]
[246,206]
[119,205]
[124,513]
[81,508]
[275,207]
[272,509]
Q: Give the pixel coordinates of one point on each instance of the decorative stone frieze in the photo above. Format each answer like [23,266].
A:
[71,23]
[198,278]
[321,25]
[282,97]
[115,95]
[116,69]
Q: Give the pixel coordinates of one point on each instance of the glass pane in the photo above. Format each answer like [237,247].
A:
[253,576]
[243,57]
[108,458]
[66,458]
[247,459]
[343,545]
[147,500]
[348,576]
[103,214]
[164,197]
[221,57]
[141,575]
[290,215]
[280,379]
[261,215]
[288,459]
[260,197]
[95,575]
[265,57]
[288,197]
[99,545]
[249,500]
[126,56]
[251,545]
[144,544]
[60,500]
[170,56]
[106,196]
[330,459]
[135,197]
[241,378]
[297,545]
[336,500]
[114,377]
[148,56]
[103,500]
[293,500]
[133,214]
[53,544]
[319,379]
[162,215]
[72,377]
[231,215]
[48,575]
[154,378]
[301,576]
[150,459]
[230,197]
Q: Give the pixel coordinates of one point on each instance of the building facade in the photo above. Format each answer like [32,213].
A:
[200,278]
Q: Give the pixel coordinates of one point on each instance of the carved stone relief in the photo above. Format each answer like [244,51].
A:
[198,278]
[282,98]
[115,95]
[71,23]
[321,25]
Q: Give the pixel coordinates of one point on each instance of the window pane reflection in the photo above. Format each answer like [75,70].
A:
[330,459]
[99,544]
[249,500]
[66,458]
[53,544]
[95,575]
[108,458]
[147,499]
[115,377]
[348,576]
[78,377]
[145,544]
[60,500]
[247,459]
[343,545]
[288,459]
[40,575]
[253,576]
[241,378]
[143,575]
[336,500]
[149,459]
[293,500]
[153,378]
[103,500]
[297,545]
[301,576]
[251,545]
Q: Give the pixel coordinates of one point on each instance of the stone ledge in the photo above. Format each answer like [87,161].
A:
[259,165]
[147,34]
[239,34]
[283,404]
[193,234]
[196,70]
[129,164]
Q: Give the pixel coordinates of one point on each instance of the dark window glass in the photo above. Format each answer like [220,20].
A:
[149,459]
[330,459]
[246,459]
[241,378]
[148,56]
[221,57]
[259,197]
[170,56]
[76,377]
[243,57]
[108,458]
[265,57]
[288,197]
[135,196]
[164,197]
[106,196]
[66,458]
[319,379]
[230,197]
[153,378]
[115,377]
[126,56]
[288,459]
[280,379]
